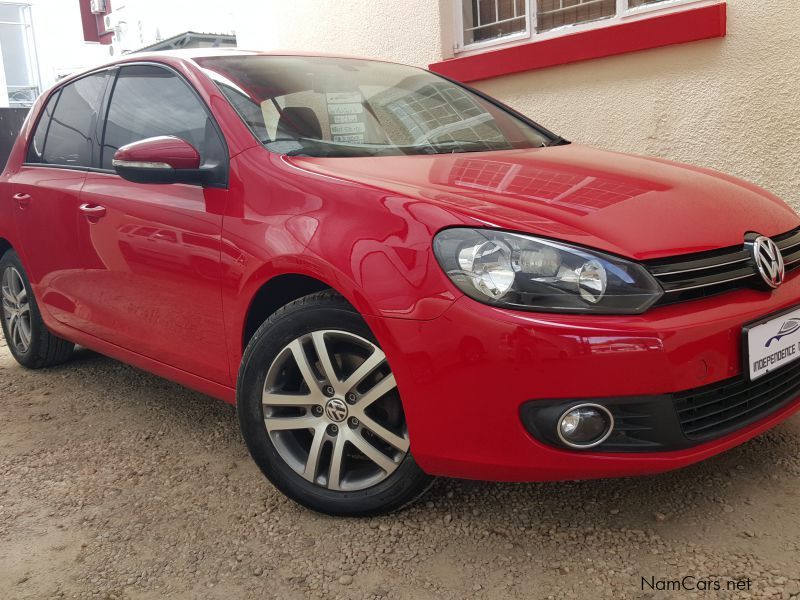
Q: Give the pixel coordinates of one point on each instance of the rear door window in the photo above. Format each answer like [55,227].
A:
[37,143]
[69,138]
[150,101]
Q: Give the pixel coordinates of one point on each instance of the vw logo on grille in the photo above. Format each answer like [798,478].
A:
[769,261]
[336,410]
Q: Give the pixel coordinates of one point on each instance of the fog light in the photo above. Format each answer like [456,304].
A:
[585,425]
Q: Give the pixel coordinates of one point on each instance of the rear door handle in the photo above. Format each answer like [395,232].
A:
[22,199]
[93,211]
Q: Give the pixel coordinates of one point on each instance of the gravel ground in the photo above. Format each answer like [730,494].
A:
[117,484]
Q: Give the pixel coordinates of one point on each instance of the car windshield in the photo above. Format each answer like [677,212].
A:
[331,107]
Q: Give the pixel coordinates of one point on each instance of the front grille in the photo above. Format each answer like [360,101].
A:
[694,276]
[715,410]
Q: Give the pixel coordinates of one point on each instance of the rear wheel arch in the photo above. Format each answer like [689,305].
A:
[5,246]
[29,340]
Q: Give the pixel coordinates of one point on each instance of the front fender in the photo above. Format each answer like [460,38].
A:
[372,246]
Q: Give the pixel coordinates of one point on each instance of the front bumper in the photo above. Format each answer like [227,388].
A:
[466,376]
[675,421]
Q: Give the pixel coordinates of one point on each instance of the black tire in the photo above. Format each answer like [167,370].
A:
[325,310]
[44,349]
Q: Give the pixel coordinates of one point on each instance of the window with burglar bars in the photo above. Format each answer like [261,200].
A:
[489,21]
[557,13]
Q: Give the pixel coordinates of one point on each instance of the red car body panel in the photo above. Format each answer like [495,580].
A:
[166,279]
[481,364]
[49,216]
[151,277]
[604,200]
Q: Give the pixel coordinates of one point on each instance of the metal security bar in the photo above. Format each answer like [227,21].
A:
[557,13]
[488,19]
[482,23]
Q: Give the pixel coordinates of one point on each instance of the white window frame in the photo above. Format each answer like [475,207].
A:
[623,15]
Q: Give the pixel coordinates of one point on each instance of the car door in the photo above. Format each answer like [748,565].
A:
[47,189]
[154,285]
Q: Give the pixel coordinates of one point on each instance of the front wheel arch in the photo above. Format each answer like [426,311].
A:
[275,294]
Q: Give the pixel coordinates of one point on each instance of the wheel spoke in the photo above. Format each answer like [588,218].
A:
[8,296]
[325,360]
[305,367]
[399,442]
[15,283]
[277,399]
[372,453]
[291,423]
[24,333]
[17,309]
[312,463]
[16,334]
[368,366]
[383,387]
[337,457]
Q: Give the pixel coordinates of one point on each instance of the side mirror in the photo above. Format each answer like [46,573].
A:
[163,159]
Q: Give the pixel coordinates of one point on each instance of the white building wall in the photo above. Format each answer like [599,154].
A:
[408,31]
[58,32]
[60,46]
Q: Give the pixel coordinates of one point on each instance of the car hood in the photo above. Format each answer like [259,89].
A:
[634,206]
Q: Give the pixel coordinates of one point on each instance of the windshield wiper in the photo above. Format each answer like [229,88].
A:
[330,148]
[324,148]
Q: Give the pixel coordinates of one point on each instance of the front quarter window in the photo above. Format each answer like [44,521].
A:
[321,106]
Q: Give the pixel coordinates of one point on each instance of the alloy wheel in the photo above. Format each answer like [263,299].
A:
[332,411]
[16,310]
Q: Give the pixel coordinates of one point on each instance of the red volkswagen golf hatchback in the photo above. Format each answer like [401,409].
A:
[394,276]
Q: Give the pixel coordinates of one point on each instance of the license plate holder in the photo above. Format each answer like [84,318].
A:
[771,342]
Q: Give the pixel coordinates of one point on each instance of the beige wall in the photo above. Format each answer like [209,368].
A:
[732,104]
[407,31]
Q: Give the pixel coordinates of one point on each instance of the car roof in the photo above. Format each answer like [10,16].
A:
[192,54]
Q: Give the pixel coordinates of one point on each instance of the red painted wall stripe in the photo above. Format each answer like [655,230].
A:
[672,28]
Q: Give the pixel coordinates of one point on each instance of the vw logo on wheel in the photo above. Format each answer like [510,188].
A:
[769,261]
[336,410]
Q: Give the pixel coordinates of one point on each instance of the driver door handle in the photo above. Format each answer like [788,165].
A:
[93,211]
[22,199]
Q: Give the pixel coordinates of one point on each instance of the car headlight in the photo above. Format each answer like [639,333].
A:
[530,273]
